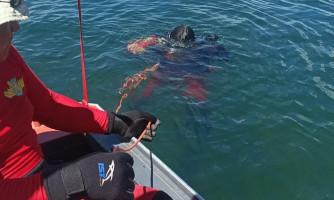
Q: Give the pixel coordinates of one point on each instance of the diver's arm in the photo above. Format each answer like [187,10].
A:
[139,46]
[223,53]
[215,48]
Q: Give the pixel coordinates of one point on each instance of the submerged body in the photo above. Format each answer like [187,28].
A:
[184,61]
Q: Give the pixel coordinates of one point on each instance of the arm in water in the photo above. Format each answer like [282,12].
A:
[139,46]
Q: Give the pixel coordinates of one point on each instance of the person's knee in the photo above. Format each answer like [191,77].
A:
[96,176]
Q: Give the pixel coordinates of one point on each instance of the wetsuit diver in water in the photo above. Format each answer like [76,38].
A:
[185,61]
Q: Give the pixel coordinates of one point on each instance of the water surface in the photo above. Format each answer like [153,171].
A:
[268,131]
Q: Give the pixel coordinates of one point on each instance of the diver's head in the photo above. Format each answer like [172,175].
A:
[183,34]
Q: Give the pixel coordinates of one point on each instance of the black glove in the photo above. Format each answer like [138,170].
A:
[103,176]
[132,124]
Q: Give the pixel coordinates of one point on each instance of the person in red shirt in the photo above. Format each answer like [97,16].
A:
[24,98]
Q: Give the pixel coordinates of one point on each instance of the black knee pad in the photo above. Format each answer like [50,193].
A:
[100,176]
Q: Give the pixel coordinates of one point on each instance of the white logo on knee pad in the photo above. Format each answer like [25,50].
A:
[109,174]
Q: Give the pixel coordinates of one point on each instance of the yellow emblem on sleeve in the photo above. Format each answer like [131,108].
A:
[15,88]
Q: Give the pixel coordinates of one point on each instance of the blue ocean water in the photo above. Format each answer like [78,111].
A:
[266,131]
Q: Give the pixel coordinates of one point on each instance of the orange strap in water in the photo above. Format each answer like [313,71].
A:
[130,83]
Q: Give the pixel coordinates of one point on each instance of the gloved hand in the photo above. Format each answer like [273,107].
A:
[103,176]
[132,124]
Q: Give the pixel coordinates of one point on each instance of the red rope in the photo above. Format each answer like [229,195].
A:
[84,83]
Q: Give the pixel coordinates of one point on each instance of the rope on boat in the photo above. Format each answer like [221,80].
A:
[134,144]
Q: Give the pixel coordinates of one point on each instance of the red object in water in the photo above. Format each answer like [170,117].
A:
[196,89]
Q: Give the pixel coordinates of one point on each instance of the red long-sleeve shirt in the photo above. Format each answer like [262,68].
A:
[23,98]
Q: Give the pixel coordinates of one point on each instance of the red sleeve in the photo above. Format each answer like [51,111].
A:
[60,112]
[150,41]
[30,188]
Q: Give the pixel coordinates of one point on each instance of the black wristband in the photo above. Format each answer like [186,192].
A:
[73,183]
[64,182]
[53,184]
[111,120]
[118,124]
